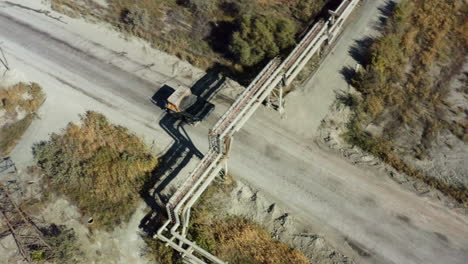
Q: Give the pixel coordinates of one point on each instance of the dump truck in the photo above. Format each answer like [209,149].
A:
[182,103]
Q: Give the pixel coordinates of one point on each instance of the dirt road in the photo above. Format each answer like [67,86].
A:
[361,212]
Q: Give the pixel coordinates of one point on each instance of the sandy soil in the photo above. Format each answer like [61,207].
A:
[367,216]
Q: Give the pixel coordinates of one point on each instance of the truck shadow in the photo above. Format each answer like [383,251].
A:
[155,192]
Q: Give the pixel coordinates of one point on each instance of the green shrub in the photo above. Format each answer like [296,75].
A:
[399,80]
[305,10]
[63,240]
[399,87]
[38,255]
[261,37]
[99,166]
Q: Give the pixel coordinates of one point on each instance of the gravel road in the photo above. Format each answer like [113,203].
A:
[361,212]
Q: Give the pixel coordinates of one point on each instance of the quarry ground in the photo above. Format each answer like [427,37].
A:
[360,211]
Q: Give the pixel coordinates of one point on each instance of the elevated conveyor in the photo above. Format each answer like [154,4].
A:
[278,72]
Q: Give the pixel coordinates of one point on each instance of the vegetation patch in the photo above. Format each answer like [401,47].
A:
[206,32]
[18,106]
[238,240]
[232,239]
[36,240]
[260,38]
[405,83]
[101,167]
[63,246]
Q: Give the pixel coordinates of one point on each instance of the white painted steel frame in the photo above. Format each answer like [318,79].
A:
[233,119]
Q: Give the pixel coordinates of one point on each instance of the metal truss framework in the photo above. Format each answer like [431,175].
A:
[268,85]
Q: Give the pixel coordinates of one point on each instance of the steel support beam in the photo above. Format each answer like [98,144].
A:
[276,75]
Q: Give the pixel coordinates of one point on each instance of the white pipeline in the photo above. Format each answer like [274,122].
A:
[306,51]
[233,120]
[305,60]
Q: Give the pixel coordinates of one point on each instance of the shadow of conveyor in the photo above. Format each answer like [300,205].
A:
[177,156]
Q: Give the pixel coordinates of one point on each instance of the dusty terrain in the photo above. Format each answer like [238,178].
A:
[360,211]
[330,135]
[437,151]
[125,243]
[447,155]
[122,245]
[247,202]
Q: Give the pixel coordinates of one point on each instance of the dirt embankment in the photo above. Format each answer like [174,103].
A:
[408,102]
[125,243]
[444,161]
[247,202]
[229,200]
[446,154]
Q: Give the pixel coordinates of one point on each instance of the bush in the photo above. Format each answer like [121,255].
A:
[27,97]
[205,6]
[399,86]
[238,240]
[99,166]
[399,79]
[21,97]
[64,243]
[232,239]
[261,37]
[306,9]
[11,134]
[189,29]
[136,19]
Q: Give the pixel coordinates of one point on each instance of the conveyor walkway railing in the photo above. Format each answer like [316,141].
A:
[220,136]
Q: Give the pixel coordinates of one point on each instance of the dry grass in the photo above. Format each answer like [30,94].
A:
[405,84]
[12,133]
[235,239]
[242,241]
[420,41]
[101,167]
[21,97]
[232,239]
[25,96]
